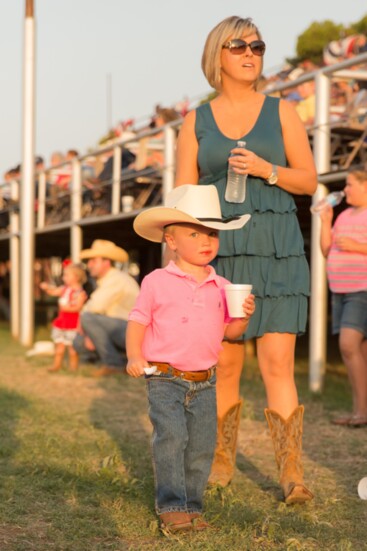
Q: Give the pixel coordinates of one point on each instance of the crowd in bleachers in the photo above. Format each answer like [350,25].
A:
[348,97]
[142,160]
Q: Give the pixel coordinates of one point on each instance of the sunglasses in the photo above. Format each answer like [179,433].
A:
[237,46]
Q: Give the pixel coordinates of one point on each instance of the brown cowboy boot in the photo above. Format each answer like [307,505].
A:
[287,440]
[224,462]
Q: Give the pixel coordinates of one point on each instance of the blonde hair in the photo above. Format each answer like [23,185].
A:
[79,271]
[232,27]
[359,174]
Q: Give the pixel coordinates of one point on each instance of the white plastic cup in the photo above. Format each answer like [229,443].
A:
[235,295]
[127,202]
[362,488]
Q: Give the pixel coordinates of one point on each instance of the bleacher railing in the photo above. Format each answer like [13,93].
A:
[321,134]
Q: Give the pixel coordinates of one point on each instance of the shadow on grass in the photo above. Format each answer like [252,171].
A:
[11,406]
[334,457]
[129,427]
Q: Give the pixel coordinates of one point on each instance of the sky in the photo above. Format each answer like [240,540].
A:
[145,52]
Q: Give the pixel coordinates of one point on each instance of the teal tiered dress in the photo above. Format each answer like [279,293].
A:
[269,251]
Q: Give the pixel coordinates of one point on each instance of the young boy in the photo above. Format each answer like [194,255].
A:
[177,325]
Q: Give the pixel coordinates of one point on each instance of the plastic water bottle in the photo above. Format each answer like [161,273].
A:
[332,199]
[236,183]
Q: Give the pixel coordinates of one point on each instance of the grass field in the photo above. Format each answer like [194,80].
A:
[75,471]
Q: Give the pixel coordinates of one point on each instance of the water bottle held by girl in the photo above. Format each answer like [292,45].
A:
[332,199]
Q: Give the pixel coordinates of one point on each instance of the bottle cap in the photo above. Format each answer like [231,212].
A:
[362,488]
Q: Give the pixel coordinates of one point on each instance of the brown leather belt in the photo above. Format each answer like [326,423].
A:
[197,376]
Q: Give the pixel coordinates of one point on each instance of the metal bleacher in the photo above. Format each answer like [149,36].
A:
[68,221]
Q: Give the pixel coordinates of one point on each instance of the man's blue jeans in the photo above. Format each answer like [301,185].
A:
[107,335]
[184,418]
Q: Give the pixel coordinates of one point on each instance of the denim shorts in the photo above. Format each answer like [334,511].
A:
[349,310]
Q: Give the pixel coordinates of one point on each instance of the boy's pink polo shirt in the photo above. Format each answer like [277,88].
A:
[184,319]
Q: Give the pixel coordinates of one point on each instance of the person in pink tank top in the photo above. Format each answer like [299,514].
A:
[344,245]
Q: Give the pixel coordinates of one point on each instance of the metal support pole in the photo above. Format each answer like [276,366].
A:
[76,232]
[116,180]
[318,302]
[169,161]
[27,244]
[14,264]
[41,212]
[168,182]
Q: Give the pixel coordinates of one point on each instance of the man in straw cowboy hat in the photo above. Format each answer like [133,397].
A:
[177,326]
[104,316]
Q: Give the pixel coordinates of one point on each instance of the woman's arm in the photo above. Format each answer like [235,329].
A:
[187,171]
[301,176]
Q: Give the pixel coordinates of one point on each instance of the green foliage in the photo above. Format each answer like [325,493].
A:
[360,27]
[311,42]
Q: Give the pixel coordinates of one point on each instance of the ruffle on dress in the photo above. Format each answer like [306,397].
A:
[273,229]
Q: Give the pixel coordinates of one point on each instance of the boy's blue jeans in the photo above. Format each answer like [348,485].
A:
[184,418]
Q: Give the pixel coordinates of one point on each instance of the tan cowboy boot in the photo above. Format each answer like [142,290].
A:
[287,440]
[224,462]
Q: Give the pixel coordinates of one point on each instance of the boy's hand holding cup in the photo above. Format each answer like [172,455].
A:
[237,303]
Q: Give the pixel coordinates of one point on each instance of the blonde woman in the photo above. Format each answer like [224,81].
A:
[269,251]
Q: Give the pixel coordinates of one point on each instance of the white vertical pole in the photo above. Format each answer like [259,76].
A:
[27,244]
[41,212]
[76,233]
[318,302]
[169,167]
[116,180]
[14,264]
[169,160]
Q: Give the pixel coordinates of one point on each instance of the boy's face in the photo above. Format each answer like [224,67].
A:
[194,244]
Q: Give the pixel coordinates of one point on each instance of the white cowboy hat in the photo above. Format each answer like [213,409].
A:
[194,204]
[105,249]
[42,348]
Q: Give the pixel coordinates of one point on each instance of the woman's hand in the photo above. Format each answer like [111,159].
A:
[245,161]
